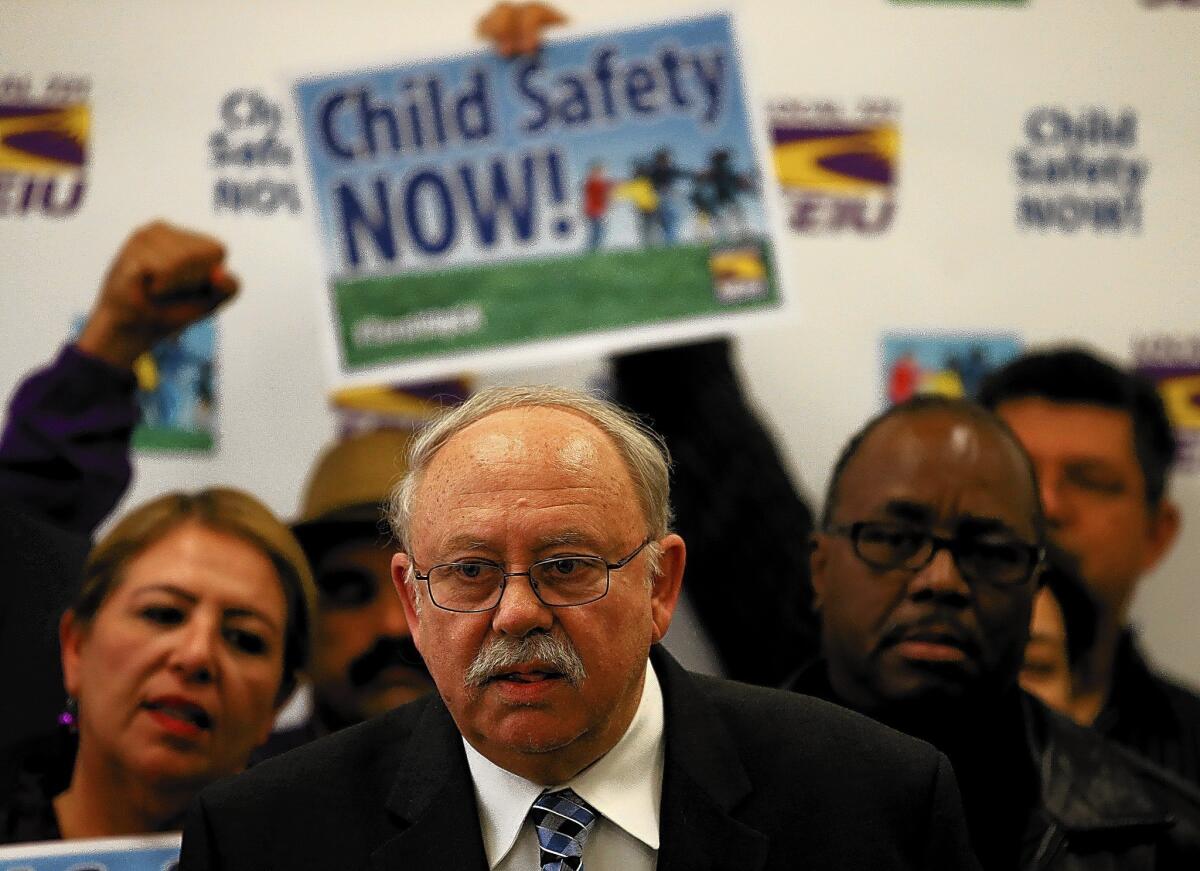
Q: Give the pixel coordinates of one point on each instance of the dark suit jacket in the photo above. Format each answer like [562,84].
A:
[40,567]
[754,779]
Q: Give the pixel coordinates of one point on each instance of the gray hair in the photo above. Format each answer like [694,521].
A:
[644,452]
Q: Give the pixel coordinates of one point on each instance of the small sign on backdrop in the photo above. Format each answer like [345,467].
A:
[1173,363]
[945,364]
[176,390]
[149,853]
[1080,170]
[251,157]
[837,164]
[606,193]
[44,144]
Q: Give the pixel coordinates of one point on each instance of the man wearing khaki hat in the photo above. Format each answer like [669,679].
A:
[364,661]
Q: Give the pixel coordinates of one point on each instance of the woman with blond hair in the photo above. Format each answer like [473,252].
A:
[193,617]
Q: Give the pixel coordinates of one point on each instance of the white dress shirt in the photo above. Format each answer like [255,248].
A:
[624,786]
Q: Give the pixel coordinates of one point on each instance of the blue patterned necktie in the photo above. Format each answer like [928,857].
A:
[562,820]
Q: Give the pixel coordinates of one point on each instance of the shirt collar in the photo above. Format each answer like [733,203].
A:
[624,785]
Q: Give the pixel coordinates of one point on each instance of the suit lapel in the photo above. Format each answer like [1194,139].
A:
[432,802]
[703,781]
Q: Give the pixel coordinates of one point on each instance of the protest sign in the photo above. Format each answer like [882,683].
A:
[943,364]
[1172,362]
[605,193]
[149,853]
[176,390]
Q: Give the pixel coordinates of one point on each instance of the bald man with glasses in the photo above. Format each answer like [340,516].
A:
[924,574]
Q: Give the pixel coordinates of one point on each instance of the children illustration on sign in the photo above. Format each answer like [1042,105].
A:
[596,190]
[716,194]
[710,211]
[176,392]
[945,365]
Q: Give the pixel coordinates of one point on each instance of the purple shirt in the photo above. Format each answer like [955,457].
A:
[64,454]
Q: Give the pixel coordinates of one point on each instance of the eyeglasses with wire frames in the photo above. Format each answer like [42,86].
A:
[989,558]
[475,585]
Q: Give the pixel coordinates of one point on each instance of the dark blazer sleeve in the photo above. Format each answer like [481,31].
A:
[40,574]
[947,842]
[64,451]
[391,794]
[764,780]
[199,851]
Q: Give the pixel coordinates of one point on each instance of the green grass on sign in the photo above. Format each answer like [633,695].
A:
[147,438]
[537,299]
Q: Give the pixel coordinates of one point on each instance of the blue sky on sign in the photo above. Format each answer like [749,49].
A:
[616,143]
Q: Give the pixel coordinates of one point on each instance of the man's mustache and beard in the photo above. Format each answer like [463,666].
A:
[556,658]
[388,651]
[957,697]
[362,690]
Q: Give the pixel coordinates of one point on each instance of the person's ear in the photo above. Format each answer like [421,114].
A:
[71,634]
[666,584]
[408,594]
[1164,524]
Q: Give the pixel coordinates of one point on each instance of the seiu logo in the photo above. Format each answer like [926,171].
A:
[43,149]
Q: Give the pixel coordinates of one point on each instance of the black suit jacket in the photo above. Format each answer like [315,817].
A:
[40,568]
[753,779]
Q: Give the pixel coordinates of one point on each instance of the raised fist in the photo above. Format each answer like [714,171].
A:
[163,279]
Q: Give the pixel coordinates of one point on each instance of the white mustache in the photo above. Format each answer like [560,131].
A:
[504,653]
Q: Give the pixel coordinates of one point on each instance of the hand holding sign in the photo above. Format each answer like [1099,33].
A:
[163,279]
[516,28]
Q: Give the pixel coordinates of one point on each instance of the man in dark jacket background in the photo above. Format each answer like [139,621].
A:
[924,573]
[1102,445]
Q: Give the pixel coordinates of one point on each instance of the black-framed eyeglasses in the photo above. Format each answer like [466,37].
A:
[558,582]
[989,558]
